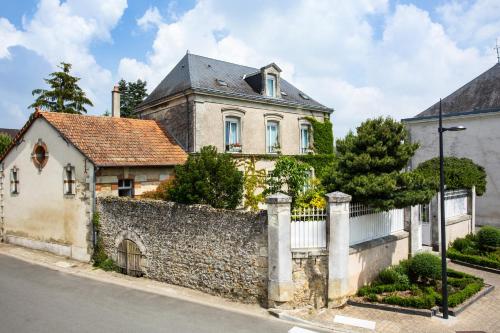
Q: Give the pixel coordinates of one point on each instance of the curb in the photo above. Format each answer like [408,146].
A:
[394,308]
[291,319]
[460,308]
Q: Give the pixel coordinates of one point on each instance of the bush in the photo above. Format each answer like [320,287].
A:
[5,142]
[161,192]
[461,244]
[461,295]
[424,267]
[473,259]
[289,176]
[392,275]
[488,237]
[208,178]
[459,173]
[424,301]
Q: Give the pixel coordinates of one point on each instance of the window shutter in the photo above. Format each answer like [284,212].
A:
[66,181]
[12,184]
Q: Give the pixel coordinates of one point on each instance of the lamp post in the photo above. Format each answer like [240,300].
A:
[444,277]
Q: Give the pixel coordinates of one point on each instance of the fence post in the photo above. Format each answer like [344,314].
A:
[415,230]
[472,209]
[280,284]
[337,215]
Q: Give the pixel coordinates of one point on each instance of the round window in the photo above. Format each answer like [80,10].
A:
[40,154]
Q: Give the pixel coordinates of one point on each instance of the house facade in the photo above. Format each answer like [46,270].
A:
[238,109]
[476,106]
[59,163]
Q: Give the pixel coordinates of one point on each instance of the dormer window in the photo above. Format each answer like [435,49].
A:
[271,85]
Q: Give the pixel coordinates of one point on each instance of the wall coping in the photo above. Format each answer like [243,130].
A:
[338,197]
[378,242]
[458,219]
[278,198]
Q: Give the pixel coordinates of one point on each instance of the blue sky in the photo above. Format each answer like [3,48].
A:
[364,58]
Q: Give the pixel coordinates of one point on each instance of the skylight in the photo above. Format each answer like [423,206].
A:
[221,82]
[283,93]
[304,96]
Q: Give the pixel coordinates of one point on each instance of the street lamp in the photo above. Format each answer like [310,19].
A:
[444,277]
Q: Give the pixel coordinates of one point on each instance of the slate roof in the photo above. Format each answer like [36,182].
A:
[9,131]
[480,95]
[108,141]
[201,74]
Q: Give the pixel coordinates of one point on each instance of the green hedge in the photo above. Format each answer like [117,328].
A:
[424,301]
[322,135]
[322,163]
[473,259]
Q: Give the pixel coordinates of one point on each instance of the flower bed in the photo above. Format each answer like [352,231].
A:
[416,284]
[482,249]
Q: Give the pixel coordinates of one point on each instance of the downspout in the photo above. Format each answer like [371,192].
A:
[94,204]
[188,122]
[2,176]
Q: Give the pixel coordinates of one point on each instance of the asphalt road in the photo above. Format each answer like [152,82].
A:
[37,299]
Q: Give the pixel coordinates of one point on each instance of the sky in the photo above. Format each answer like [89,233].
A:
[363,58]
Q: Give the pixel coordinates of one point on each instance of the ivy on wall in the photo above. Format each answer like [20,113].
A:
[253,185]
[322,135]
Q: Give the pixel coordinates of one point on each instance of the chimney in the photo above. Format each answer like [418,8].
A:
[115,102]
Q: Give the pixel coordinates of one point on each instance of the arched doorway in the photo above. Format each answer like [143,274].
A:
[129,258]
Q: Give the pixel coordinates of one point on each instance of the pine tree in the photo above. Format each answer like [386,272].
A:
[370,167]
[5,142]
[131,95]
[65,94]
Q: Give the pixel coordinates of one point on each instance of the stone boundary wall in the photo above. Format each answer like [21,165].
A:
[220,252]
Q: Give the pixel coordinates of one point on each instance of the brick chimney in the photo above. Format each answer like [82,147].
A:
[115,102]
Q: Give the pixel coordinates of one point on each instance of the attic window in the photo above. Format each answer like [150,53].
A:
[40,154]
[271,85]
[221,82]
[304,96]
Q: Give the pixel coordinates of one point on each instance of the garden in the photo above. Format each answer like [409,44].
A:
[416,283]
[482,249]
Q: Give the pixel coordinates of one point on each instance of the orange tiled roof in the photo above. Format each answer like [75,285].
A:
[108,141]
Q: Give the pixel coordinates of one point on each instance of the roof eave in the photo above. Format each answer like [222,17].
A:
[450,115]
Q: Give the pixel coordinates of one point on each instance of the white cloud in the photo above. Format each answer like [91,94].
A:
[151,18]
[64,31]
[332,51]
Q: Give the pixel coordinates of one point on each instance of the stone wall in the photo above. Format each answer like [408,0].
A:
[219,252]
[310,280]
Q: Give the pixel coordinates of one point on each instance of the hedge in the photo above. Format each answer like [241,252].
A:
[322,163]
[322,135]
[473,259]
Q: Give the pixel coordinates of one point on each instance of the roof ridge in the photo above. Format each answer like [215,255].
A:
[224,61]
[64,114]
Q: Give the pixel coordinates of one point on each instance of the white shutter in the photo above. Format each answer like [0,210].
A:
[65,181]
[73,180]
[12,184]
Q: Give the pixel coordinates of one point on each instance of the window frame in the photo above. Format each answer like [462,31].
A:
[232,147]
[274,79]
[269,148]
[14,180]
[69,185]
[305,126]
[129,187]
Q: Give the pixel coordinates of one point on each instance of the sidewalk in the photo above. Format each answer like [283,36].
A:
[85,270]
[482,316]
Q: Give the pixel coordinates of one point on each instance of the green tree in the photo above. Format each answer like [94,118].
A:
[208,178]
[370,165]
[5,141]
[131,95]
[459,173]
[64,96]
[289,176]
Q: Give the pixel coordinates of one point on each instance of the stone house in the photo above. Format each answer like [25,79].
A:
[59,163]
[238,109]
[476,106]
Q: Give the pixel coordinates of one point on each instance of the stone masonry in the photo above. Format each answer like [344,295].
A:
[219,252]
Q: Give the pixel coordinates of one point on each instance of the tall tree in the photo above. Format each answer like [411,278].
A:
[64,96]
[370,167]
[5,142]
[131,95]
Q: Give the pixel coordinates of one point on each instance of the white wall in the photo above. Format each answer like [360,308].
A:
[480,142]
[41,215]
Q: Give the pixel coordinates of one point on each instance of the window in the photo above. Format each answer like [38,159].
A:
[40,154]
[125,188]
[305,131]
[232,135]
[69,180]
[271,85]
[14,180]
[272,140]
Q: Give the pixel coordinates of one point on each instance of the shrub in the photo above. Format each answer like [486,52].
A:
[473,259]
[488,237]
[424,301]
[461,295]
[393,275]
[5,142]
[208,178]
[424,267]
[460,244]
[289,176]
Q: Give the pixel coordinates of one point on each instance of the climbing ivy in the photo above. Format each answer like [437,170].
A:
[254,182]
[322,135]
[99,256]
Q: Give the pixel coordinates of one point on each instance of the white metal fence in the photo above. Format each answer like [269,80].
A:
[366,224]
[308,229]
[455,203]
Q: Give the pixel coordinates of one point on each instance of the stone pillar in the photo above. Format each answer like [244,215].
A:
[280,284]
[338,248]
[472,209]
[415,230]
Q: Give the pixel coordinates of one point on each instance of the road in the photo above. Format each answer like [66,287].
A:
[38,299]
